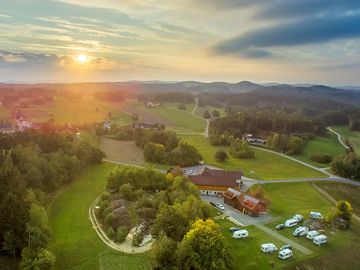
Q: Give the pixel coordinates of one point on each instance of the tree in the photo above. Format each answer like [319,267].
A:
[295,145]
[184,155]
[203,247]
[163,253]
[241,149]
[221,156]
[215,113]
[9,245]
[135,118]
[206,114]
[343,210]
[40,259]
[181,106]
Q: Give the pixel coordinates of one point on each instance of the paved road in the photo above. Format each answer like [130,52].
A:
[197,103]
[283,238]
[339,137]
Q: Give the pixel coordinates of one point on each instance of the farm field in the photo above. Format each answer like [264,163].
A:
[173,118]
[189,107]
[75,242]
[264,166]
[352,137]
[327,145]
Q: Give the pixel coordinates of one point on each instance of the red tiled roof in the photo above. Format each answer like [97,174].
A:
[211,177]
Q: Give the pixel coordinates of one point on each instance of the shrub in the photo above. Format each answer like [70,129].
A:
[110,232]
[321,157]
[121,233]
[137,238]
[221,156]
[182,107]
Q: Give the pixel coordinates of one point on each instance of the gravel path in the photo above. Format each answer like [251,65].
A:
[339,137]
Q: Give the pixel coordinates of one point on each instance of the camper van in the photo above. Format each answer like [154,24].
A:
[240,234]
[269,247]
[310,235]
[316,215]
[320,240]
[298,217]
[285,253]
[300,231]
[291,223]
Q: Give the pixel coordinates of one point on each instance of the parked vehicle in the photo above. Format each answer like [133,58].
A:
[268,248]
[234,229]
[286,247]
[320,240]
[240,234]
[311,234]
[213,204]
[298,217]
[280,226]
[300,231]
[285,254]
[220,206]
[316,215]
[291,223]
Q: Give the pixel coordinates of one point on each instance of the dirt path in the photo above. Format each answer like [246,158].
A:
[197,103]
[284,239]
[339,137]
[332,199]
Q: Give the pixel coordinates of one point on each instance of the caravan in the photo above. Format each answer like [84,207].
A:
[267,248]
[316,215]
[300,231]
[310,235]
[240,234]
[320,240]
[291,223]
[285,253]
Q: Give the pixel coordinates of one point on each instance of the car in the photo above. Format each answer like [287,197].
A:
[280,226]
[268,248]
[285,253]
[300,231]
[213,204]
[234,229]
[286,247]
[220,206]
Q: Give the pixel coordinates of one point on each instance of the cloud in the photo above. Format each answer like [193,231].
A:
[301,32]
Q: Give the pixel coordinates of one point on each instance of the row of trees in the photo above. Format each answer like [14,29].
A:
[33,164]
[347,165]
[354,121]
[292,145]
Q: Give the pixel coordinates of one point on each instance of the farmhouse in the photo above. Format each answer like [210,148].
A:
[250,138]
[149,126]
[244,202]
[214,181]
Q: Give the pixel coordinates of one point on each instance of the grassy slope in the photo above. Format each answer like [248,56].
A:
[353,137]
[328,145]
[264,165]
[75,242]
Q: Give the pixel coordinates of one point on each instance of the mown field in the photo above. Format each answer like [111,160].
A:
[75,242]
[352,137]
[327,145]
[264,166]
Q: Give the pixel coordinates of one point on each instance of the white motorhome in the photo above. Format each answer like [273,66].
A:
[298,217]
[285,253]
[291,223]
[320,240]
[311,234]
[240,234]
[300,231]
[269,247]
[316,215]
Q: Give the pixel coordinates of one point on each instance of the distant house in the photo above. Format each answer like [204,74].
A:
[107,124]
[149,126]
[244,202]
[250,138]
[152,104]
[7,128]
[214,181]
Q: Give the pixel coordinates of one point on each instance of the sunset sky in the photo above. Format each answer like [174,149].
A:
[293,41]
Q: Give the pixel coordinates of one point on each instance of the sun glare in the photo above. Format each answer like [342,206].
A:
[82,58]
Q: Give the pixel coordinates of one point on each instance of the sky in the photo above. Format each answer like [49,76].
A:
[289,41]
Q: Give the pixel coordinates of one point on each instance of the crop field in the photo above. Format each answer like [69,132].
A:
[75,242]
[352,137]
[264,166]
[326,145]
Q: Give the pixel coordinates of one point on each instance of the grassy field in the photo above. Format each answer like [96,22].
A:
[352,137]
[327,145]
[189,107]
[200,110]
[75,243]
[263,166]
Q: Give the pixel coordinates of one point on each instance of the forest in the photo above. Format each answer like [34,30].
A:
[33,166]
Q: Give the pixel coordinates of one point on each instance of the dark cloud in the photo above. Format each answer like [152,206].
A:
[300,32]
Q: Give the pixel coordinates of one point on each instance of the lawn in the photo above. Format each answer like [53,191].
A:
[264,166]
[75,243]
[352,137]
[327,145]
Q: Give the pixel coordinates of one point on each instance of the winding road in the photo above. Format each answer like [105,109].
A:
[339,137]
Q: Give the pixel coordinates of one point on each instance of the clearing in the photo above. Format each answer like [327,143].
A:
[264,166]
[75,242]
[352,137]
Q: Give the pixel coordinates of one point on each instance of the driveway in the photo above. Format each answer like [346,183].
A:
[235,215]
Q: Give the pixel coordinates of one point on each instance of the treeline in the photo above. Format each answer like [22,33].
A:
[347,165]
[354,121]
[170,209]
[32,165]
[284,143]
[179,97]
[165,147]
[111,96]
[237,125]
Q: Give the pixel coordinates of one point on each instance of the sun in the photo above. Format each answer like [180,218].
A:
[82,58]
